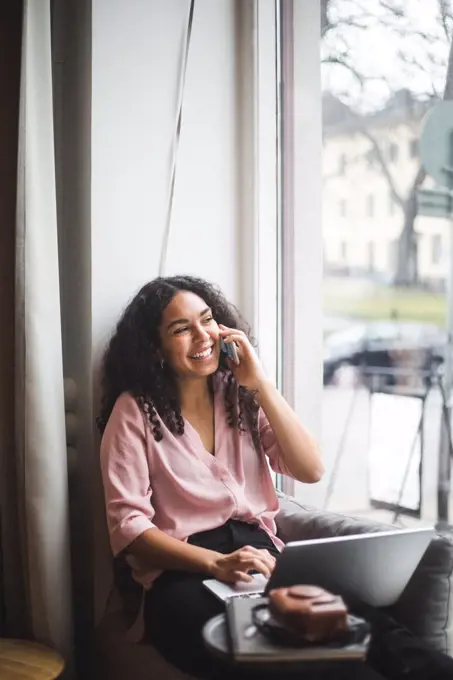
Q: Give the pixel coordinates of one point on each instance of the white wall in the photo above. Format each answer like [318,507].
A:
[136,62]
[136,47]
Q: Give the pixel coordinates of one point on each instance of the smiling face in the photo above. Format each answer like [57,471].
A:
[189,337]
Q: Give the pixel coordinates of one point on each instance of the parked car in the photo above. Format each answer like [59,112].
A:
[385,345]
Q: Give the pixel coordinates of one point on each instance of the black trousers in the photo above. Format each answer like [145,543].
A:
[178,606]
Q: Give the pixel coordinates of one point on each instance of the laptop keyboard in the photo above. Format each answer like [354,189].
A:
[247,596]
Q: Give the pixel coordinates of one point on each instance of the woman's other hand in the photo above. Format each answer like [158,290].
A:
[235,567]
[249,372]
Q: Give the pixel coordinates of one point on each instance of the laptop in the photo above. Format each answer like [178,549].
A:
[369,568]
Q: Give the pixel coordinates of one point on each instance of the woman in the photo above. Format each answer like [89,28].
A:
[187,434]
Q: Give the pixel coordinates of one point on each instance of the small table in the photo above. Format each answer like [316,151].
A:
[24,660]
[216,640]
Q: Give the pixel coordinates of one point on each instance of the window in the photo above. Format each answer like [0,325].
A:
[413,148]
[396,265]
[343,209]
[393,153]
[436,249]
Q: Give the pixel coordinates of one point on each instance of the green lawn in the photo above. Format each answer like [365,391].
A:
[346,297]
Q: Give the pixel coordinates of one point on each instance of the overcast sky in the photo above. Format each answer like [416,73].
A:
[375,51]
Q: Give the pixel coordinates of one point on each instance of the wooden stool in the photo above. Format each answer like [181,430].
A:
[23,660]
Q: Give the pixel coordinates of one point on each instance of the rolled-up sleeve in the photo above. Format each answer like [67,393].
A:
[271,448]
[126,475]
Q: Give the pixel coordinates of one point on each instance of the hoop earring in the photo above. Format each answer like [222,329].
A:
[162,363]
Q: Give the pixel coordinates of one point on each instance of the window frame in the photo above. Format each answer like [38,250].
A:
[301,253]
[258,176]
[284,253]
[265,189]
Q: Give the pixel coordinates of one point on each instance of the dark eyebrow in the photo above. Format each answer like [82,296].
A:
[178,322]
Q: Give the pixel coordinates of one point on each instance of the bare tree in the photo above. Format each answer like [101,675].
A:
[420,54]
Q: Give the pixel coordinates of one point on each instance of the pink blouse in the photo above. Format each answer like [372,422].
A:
[178,486]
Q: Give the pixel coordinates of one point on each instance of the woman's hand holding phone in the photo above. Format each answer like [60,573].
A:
[230,350]
[248,370]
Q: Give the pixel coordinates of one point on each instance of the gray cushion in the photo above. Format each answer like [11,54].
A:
[426,605]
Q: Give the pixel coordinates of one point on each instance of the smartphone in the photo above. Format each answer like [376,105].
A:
[230,350]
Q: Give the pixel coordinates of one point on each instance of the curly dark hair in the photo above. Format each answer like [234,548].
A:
[131,362]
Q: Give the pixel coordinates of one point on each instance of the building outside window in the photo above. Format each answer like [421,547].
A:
[436,249]
[371,158]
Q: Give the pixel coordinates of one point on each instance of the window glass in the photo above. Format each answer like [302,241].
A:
[385,263]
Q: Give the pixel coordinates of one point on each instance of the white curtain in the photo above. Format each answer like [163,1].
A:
[40,455]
